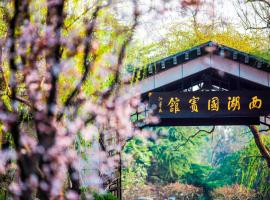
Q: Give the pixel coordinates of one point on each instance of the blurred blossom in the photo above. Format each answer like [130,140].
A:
[90,132]
[71,195]
[5,157]
[15,188]
[98,125]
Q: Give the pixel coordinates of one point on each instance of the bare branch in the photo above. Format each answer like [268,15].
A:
[261,11]
[262,1]
[194,135]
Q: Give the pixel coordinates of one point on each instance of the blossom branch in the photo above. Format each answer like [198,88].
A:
[55,18]
[86,63]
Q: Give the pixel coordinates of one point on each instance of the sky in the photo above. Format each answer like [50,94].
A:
[154,27]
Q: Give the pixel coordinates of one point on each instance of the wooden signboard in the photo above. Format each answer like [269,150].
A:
[244,107]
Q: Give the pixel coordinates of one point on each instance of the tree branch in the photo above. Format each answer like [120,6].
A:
[194,135]
[86,63]
[13,67]
[261,146]
[122,53]
[262,1]
[55,18]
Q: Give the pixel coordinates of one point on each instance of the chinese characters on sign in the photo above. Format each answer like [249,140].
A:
[160,104]
[213,104]
[205,104]
[194,106]
[234,103]
[255,103]
[174,104]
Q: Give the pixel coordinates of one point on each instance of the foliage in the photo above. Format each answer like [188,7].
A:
[136,172]
[64,95]
[227,172]
[198,175]
[139,150]
[234,157]
[181,37]
[218,164]
[107,196]
[166,159]
[254,171]
[171,158]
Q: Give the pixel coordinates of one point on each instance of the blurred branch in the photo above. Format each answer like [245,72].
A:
[25,165]
[13,67]
[85,12]
[24,101]
[3,77]
[86,63]
[122,53]
[55,18]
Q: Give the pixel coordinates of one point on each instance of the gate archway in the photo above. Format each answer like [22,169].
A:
[239,83]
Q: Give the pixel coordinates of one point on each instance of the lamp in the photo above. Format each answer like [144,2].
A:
[175,60]
[150,69]
[186,56]
[222,53]
[259,64]
[162,64]
[234,55]
[246,59]
[199,51]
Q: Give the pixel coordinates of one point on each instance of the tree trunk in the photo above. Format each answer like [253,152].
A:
[258,140]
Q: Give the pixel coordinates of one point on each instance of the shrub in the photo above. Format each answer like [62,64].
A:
[235,192]
[161,192]
[181,191]
[132,193]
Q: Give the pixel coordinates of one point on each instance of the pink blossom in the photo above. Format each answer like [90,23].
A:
[71,195]
[15,188]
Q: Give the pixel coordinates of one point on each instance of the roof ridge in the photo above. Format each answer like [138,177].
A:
[202,50]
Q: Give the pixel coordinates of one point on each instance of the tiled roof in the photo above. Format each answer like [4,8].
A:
[196,52]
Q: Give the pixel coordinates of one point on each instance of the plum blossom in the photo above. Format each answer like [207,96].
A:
[64,136]
[5,157]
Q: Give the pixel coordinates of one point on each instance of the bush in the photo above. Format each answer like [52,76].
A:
[181,191]
[235,192]
[161,192]
[133,193]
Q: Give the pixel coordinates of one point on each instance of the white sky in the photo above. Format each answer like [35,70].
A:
[154,27]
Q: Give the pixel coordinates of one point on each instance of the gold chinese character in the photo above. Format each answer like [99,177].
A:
[234,103]
[213,104]
[255,103]
[160,99]
[194,106]
[174,104]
